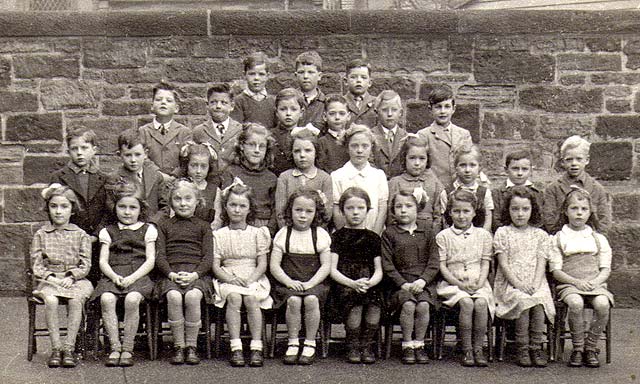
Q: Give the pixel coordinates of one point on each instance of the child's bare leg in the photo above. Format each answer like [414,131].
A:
[601,307]
[110,319]
[192,316]
[293,318]
[480,318]
[74,318]
[176,317]
[465,322]
[407,320]
[522,330]
[576,320]
[254,317]
[421,322]
[51,315]
[232,316]
[537,319]
[352,326]
[131,319]
[368,332]
[312,323]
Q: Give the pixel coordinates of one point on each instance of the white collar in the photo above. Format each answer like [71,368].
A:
[510,184]
[352,171]
[586,232]
[458,185]
[392,130]
[459,232]
[309,175]
[157,125]
[133,227]
[253,95]
[336,135]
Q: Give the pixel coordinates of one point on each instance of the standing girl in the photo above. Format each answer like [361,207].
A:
[304,147]
[239,265]
[185,256]
[199,164]
[521,290]
[300,263]
[127,255]
[356,267]
[465,258]
[410,262]
[581,262]
[357,172]
[414,157]
[60,260]
[253,157]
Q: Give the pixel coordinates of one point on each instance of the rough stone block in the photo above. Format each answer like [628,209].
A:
[279,82]
[11,164]
[492,96]
[149,74]
[113,54]
[47,66]
[618,91]
[107,130]
[633,61]
[417,115]
[626,285]
[407,54]
[67,46]
[279,23]
[45,126]
[67,94]
[615,78]
[611,160]
[331,83]
[18,101]
[416,22]
[589,62]
[5,72]
[460,57]
[23,205]
[618,105]
[626,206]
[619,126]
[113,92]
[126,108]
[214,47]
[604,44]
[632,46]
[175,46]
[12,276]
[194,71]
[24,46]
[572,79]
[559,127]
[241,46]
[38,169]
[467,116]
[15,241]
[513,67]
[405,86]
[562,100]
[447,78]
[193,107]
[509,126]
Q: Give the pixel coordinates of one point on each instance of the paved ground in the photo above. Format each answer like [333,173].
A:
[14,367]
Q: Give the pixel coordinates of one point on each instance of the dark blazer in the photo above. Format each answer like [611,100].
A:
[366,114]
[385,156]
[165,149]
[224,146]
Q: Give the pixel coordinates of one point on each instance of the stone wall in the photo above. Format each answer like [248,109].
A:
[522,80]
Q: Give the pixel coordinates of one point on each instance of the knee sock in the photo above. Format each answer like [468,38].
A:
[576,325]
[368,334]
[235,345]
[465,335]
[191,333]
[522,330]
[255,345]
[598,325]
[536,326]
[131,322]
[177,329]
[353,337]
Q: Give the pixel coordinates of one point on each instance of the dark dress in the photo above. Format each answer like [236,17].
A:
[127,252]
[356,249]
[184,244]
[207,212]
[300,267]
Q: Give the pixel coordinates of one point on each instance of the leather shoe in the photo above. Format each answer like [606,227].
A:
[55,359]
[126,360]
[68,359]
[191,356]
[368,357]
[467,359]
[291,359]
[307,360]
[591,359]
[408,356]
[353,356]
[539,358]
[178,356]
[481,361]
[524,358]
[237,358]
[421,356]
[576,359]
[255,358]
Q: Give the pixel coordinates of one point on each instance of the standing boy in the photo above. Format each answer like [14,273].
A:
[359,102]
[219,130]
[518,167]
[163,136]
[308,74]
[254,104]
[444,137]
[332,153]
[388,134]
[574,157]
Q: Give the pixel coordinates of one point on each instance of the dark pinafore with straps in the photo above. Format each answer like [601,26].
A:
[302,267]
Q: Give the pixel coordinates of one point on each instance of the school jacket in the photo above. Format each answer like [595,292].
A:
[224,146]
[314,113]
[385,155]
[366,114]
[442,149]
[164,150]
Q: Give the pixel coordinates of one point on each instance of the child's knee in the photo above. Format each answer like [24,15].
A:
[107,299]
[193,297]
[480,304]
[422,308]
[174,297]
[250,302]
[408,307]
[294,303]
[574,302]
[311,302]
[601,305]
[51,301]
[132,300]
[466,304]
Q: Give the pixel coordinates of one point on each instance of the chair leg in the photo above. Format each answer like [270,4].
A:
[207,331]
[149,330]
[155,329]
[274,333]
[388,336]
[490,340]
[31,341]
[501,340]
[379,341]
[325,336]
[608,339]
[218,332]
[551,345]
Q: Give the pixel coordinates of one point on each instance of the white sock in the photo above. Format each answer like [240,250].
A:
[294,345]
[309,348]
[235,344]
[418,344]
[256,345]
[407,344]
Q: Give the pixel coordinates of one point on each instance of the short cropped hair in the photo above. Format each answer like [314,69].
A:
[220,88]
[388,95]
[467,150]
[575,142]
[87,134]
[441,93]
[517,155]
[129,139]
[165,86]
[358,63]
[254,59]
[334,98]
[290,94]
[309,58]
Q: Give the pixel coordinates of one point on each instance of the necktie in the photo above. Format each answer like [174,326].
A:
[221,129]
[389,135]
[163,130]
[139,174]
[358,101]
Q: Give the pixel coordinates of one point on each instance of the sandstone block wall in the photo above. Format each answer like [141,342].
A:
[522,80]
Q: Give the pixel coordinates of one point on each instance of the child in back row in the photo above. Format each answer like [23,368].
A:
[304,144]
[467,162]
[357,172]
[220,131]
[411,264]
[415,158]
[518,167]
[289,109]
[164,137]
[465,258]
[332,153]
[60,261]
[254,104]
[127,256]
[388,134]
[356,267]
[360,103]
[580,261]
[521,289]
[443,137]
[300,263]
[308,72]
[574,154]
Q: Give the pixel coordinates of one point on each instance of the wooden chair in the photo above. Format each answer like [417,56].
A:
[220,321]
[505,327]
[391,323]
[277,316]
[444,317]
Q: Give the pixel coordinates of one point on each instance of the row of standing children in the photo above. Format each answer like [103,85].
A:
[253,148]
